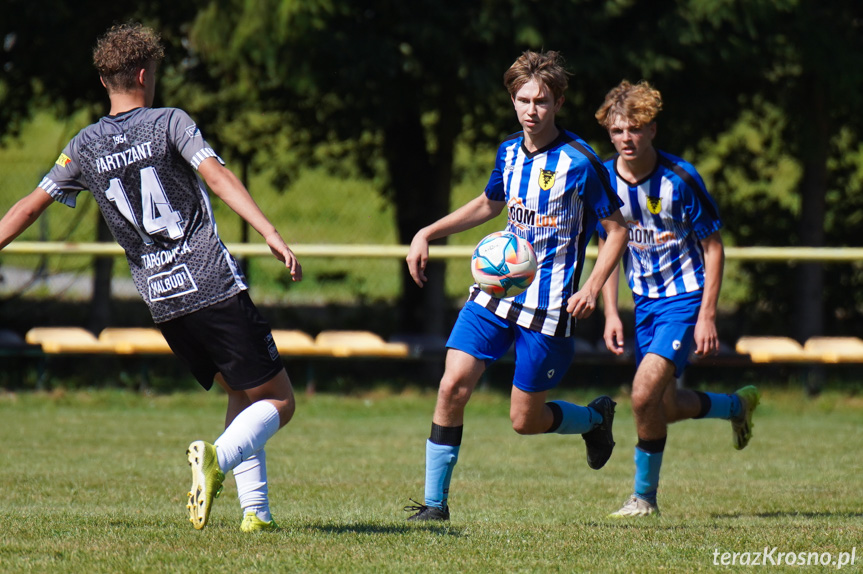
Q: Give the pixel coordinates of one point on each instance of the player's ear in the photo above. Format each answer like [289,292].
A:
[101,79]
[559,103]
[142,74]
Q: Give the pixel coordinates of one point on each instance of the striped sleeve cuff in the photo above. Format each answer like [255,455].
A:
[56,193]
[204,154]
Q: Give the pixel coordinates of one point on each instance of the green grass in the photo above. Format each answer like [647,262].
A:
[96,481]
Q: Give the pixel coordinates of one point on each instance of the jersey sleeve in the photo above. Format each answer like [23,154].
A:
[65,179]
[597,190]
[699,205]
[494,190]
[184,135]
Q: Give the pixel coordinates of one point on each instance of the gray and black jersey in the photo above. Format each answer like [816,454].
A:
[141,168]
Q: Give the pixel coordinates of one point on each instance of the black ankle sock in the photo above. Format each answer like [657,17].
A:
[705,405]
[557,413]
[450,436]
[652,446]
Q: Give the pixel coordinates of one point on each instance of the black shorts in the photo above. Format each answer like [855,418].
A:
[231,338]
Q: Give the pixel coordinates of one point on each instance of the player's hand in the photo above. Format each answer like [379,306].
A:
[283,253]
[418,256]
[706,338]
[613,334]
[582,304]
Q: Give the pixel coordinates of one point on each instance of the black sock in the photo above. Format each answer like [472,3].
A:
[450,436]
[705,405]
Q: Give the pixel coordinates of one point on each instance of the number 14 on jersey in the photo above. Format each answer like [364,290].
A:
[153,201]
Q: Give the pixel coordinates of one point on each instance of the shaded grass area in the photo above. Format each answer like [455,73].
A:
[96,481]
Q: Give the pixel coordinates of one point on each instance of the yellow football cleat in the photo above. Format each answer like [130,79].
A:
[742,424]
[251,523]
[207,479]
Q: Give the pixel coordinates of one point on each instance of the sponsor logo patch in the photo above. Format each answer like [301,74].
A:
[193,131]
[178,281]
[63,160]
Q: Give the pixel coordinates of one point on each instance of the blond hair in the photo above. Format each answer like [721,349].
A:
[123,51]
[544,67]
[639,104]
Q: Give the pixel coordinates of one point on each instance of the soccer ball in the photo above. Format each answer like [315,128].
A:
[503,264]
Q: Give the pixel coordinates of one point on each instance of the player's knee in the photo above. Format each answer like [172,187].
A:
[643,402]
[524,425]
[453,392]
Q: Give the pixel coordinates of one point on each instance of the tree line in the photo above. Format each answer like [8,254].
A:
[763,96]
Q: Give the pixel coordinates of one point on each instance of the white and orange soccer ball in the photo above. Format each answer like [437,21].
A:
[503,264]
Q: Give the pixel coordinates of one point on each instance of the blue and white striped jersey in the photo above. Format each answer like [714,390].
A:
[140,167]
[667,213]
[555,198]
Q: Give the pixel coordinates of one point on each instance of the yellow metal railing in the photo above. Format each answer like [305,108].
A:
[777,254]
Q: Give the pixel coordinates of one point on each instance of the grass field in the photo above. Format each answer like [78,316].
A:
[96,482]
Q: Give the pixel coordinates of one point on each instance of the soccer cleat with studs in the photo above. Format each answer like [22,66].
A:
[207,479]
[427,513]
[251,523]
[742,424]
[600,440]
[635,507]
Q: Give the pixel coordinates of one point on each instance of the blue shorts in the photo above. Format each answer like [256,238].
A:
[666,327]
[540,360]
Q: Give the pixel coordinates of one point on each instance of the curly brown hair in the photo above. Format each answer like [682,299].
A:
[124,50]
[639,104]
[545,67]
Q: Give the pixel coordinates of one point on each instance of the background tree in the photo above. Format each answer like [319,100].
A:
[760,94]
[47,64]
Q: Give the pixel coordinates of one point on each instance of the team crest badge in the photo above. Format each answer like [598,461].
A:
[63,160]
[546,179]
[654,205]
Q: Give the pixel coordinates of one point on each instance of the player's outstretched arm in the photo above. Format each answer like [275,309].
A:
[583,303]
[231,190]
[706,335]
[22,215]
[475,212]
[613,332]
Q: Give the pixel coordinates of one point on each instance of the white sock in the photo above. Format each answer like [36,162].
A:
[251,478]
[247,434]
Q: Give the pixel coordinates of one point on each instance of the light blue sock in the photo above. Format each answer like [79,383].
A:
[440,460]
[576,419]
[722,406]
[647,465]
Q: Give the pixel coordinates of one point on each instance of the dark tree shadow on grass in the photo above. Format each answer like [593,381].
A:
[372,528]
[790,514]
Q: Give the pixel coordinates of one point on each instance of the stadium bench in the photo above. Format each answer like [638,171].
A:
[359,344]
[135,340]
[835,349]
[773,350]
[68,340]
[816,350]
[295,343]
